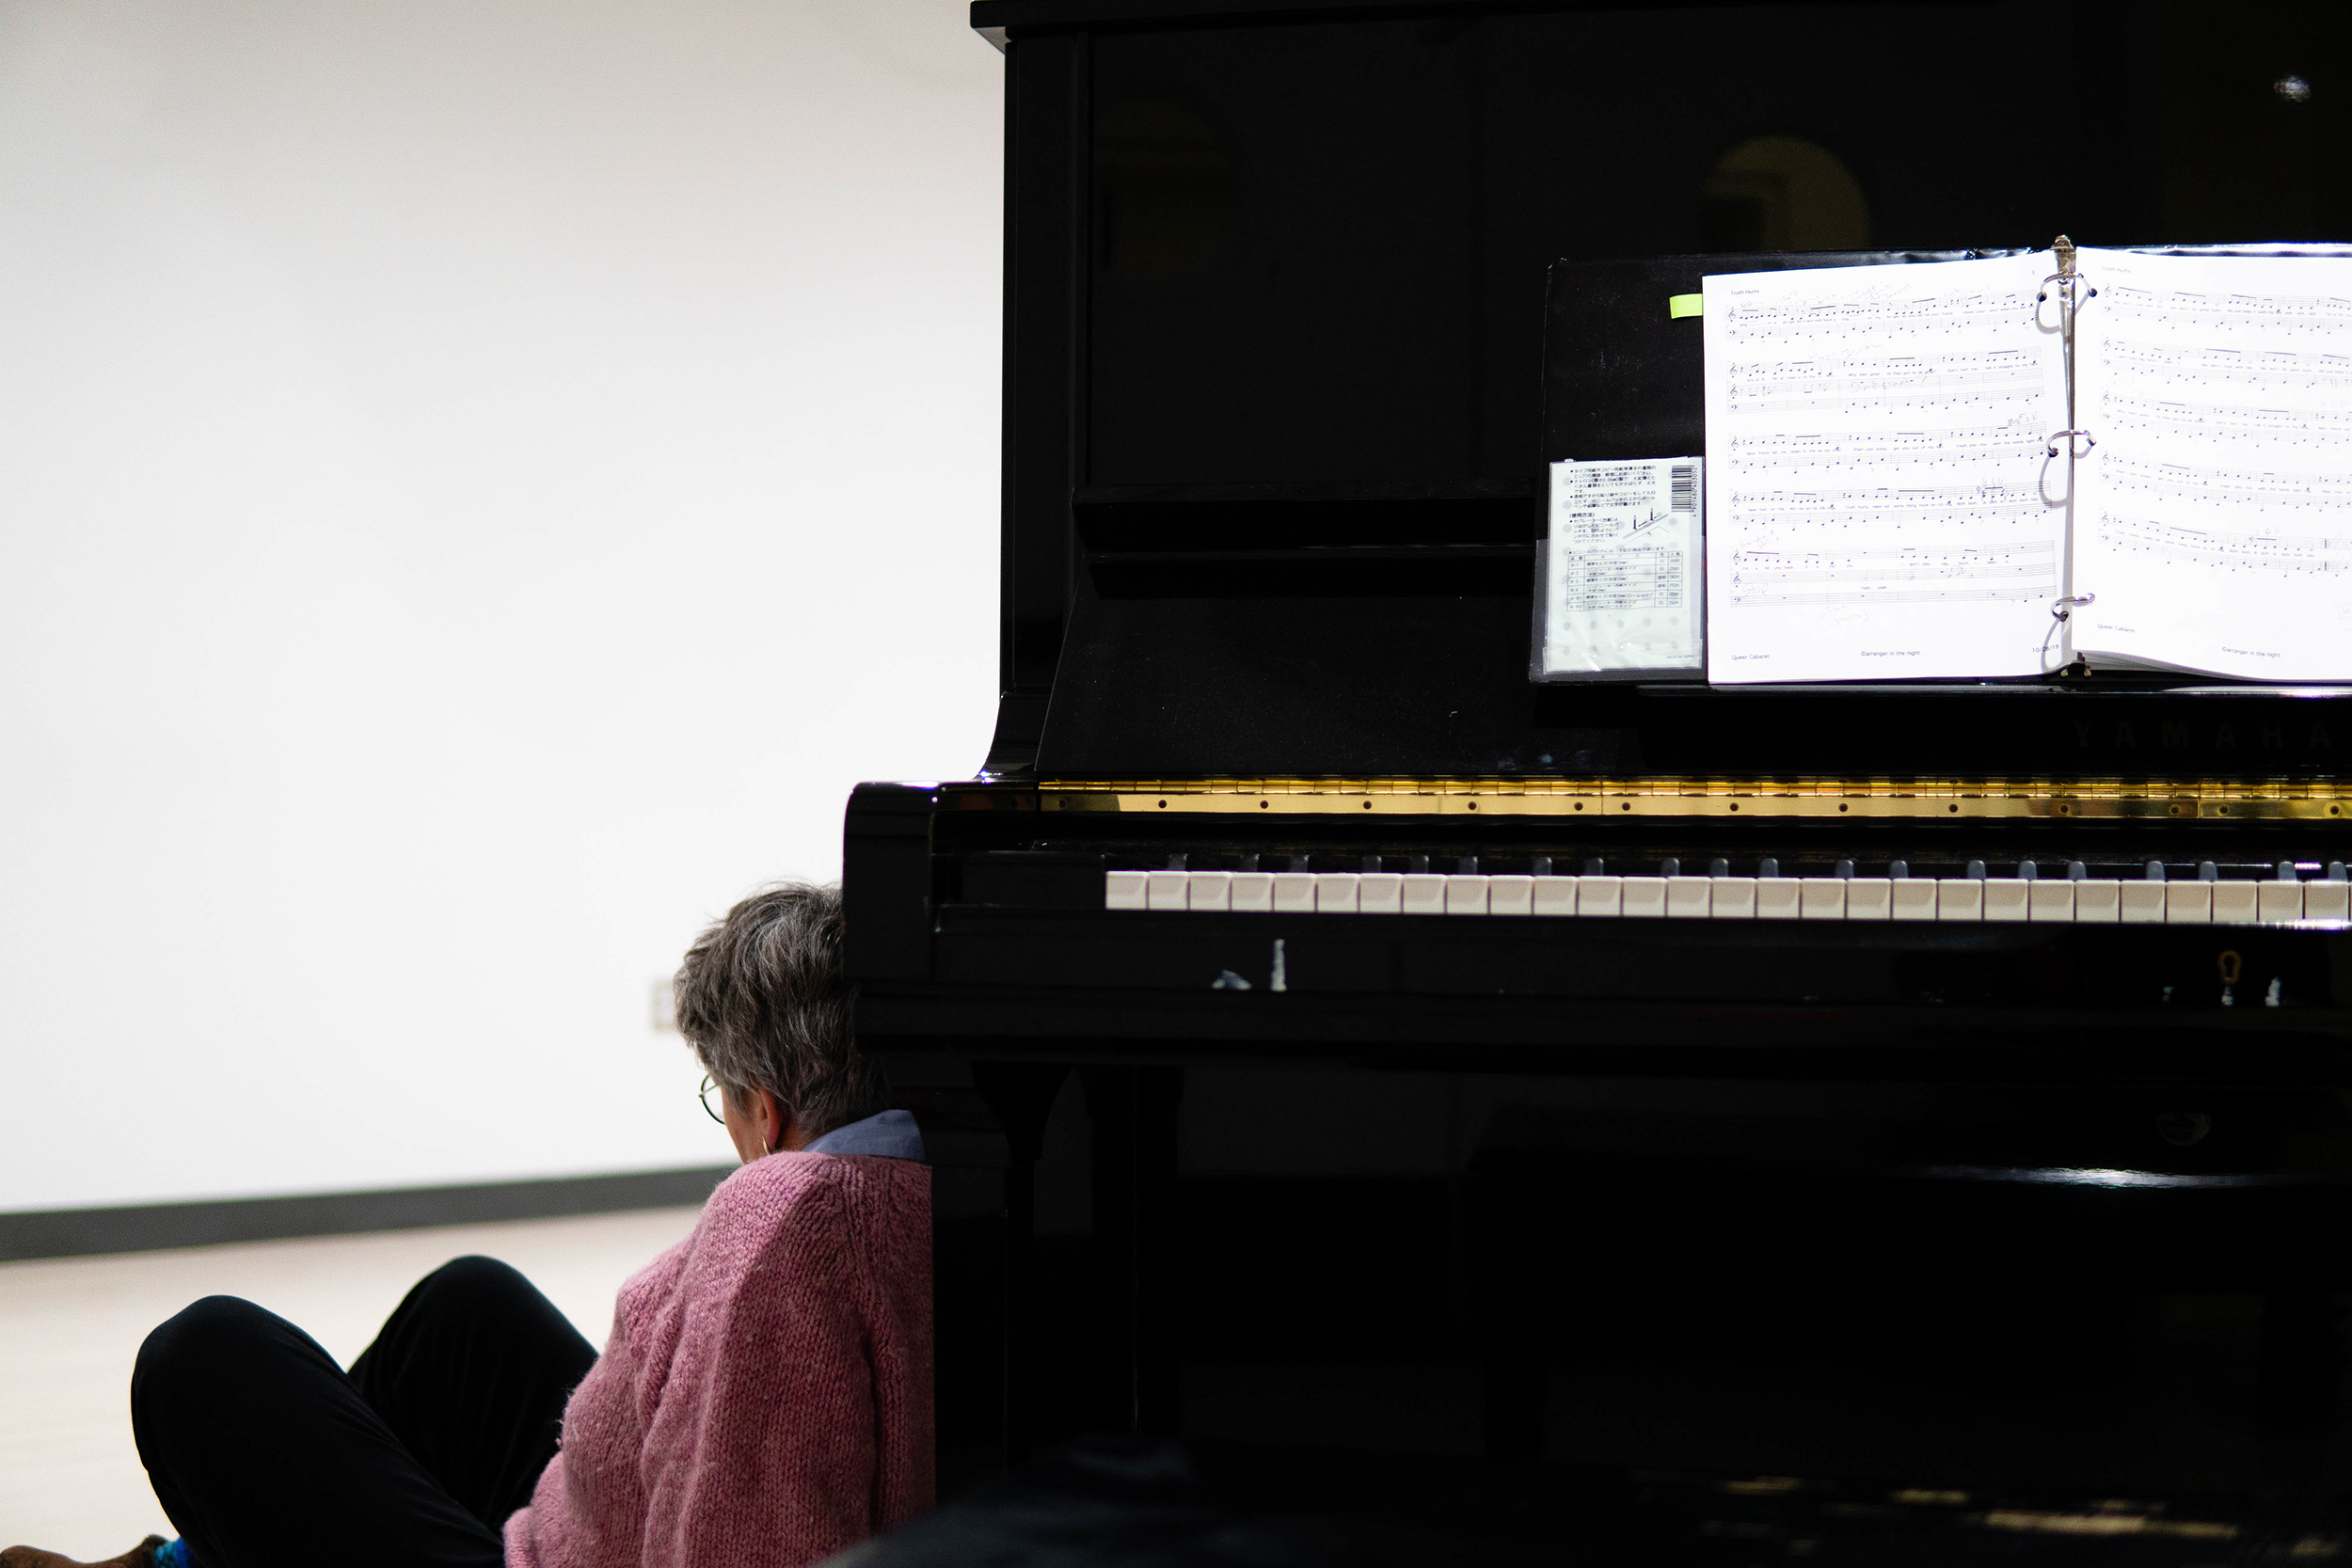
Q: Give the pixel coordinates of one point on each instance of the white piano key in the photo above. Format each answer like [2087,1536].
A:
[1208,889]
[1166,890]
[1293,891]
[1335,892]
[2050,899]
[2005,898]
[1733,899]
[2189,903]
[2098,901]
[1777,897]
[1822,899]
[2236,903]
[1959,898]
[1597,896]
[2278,903]
[1644,898]
[1424,893]
[1253,892]
[2327,901]
[1688,898]
[1509,895]
[1553,895]
[1869,897]
[2142,903]
[1914,899]
[1125,890]
[1380,892]
[1465,894]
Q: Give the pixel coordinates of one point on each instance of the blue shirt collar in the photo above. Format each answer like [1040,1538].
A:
[891,1135]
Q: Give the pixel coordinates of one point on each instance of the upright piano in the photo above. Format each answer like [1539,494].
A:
[1643,1026]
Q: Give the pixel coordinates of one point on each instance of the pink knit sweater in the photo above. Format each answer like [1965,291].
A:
[766,1395]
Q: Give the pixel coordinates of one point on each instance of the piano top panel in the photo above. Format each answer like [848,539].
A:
[1282,369]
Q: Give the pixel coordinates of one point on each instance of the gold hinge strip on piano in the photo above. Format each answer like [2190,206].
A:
[1659,796]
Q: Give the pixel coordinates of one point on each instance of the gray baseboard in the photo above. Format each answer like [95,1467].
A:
[82,1232]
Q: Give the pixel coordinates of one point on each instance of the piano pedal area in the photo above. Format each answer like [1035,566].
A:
[2311,891]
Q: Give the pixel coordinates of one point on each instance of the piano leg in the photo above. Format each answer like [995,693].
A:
[1021,1095]
[1134,1112]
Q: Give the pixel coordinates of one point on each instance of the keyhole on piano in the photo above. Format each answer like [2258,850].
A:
[2230,966]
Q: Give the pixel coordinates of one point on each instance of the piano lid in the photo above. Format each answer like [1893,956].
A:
[1276,335]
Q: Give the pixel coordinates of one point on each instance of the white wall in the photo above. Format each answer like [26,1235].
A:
[479,482]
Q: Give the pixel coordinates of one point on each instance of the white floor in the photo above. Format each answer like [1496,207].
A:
[69,1479]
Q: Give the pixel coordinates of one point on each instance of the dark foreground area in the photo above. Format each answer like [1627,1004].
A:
[1120,1503]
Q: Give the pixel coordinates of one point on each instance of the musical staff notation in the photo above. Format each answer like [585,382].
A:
[1942,318]
[1908,518]
[2208,485]
[2285,315]
[1871,450]
[2210,422]
[2282,555]
[1945,381]
[2126,359]
[2021,571]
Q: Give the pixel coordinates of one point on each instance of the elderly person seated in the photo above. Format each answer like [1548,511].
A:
[764,1397]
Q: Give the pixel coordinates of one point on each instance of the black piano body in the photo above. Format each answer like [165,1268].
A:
[1914,997]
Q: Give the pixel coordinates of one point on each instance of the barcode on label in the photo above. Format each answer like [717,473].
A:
[1685,487]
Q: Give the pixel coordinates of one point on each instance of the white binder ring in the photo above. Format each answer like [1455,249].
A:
[2063,608]
[2074,447]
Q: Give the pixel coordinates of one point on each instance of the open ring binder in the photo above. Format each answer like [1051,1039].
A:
[2074,290]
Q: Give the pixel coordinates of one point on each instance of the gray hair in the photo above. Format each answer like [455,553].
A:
[762,999]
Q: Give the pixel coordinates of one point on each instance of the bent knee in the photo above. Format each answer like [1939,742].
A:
[467,1289]
[206,1344]
[475,1272]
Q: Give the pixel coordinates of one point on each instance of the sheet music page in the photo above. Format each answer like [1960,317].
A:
[2213,522]
[1875,472]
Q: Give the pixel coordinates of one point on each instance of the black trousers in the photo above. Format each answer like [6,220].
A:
[265,1454]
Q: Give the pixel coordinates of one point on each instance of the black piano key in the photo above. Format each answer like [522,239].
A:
[1371,862]
[2077,872]
[1542,867]
[1298,863]
[2287,871]
[1767,866]
[2208,872]
[1418,866]
[1898,870]
[1976,871]
[2155,871]
[1176,861]
[1670,866]
[1248,863]
[1844,868]
[2028,870]
[1719,868]
[1591,867]
[1466,866]
[2335,871]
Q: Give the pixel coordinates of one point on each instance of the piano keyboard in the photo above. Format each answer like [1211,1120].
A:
[2207,900]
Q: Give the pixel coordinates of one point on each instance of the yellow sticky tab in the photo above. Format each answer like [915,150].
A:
[1679,305]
